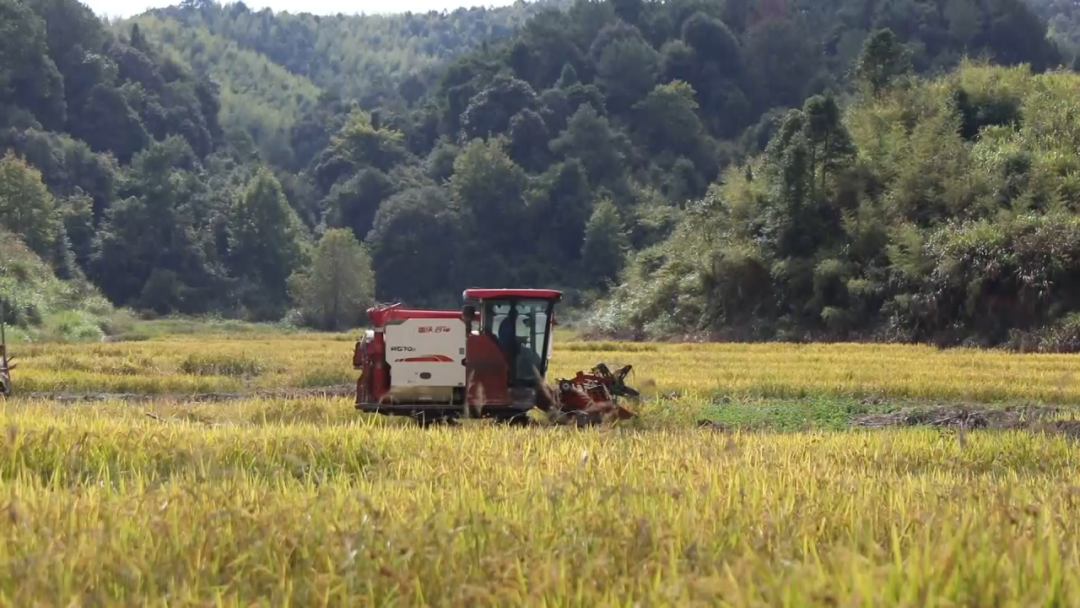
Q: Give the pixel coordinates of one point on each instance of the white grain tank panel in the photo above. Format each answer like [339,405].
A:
[426,352]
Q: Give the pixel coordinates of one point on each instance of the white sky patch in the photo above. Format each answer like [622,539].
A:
[127,8]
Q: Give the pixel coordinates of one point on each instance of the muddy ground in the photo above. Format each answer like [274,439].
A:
[1027,417]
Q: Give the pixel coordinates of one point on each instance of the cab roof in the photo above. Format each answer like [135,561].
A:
[487,294]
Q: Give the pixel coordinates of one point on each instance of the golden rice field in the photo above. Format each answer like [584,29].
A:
[302,501]
[236,363]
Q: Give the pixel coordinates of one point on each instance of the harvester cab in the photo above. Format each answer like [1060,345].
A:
[512,327]
[489,359]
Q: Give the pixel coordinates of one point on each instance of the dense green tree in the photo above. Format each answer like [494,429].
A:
[883,59]
[28,76]
[266,240]
[590,139]
[108,124]
[354,203]
[77,212]
[605,246]
[416,247]
[626,71]
[488,189]
[152,242]
[69,166]
[358,144]
[338,286]
[529,138]
[490,111]
[560,205]
[27,209]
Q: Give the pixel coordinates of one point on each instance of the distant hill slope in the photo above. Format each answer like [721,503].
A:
[568,152]
[258,97]
[272,67]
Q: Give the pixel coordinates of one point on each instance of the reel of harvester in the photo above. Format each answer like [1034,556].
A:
[593,398]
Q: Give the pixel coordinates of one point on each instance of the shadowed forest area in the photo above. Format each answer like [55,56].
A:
[754,169]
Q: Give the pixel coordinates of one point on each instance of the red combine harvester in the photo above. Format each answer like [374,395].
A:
[488,360]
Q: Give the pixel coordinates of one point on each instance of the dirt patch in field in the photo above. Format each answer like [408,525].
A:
[1030,418]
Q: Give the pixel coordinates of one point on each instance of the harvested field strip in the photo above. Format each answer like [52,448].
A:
[187,366]
[225,365]
[103,504]
[283,393]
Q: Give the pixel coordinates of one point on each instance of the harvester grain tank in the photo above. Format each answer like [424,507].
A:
[488,360]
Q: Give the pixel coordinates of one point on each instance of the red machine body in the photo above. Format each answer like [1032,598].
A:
[489,359]
[370,354]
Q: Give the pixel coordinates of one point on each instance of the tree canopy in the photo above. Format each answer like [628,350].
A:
[764,164]
[935,209]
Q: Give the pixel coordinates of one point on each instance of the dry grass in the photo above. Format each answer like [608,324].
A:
[211,364]
[237,503]
[306,502]
[219,363]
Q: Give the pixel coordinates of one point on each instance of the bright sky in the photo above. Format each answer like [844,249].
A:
[127,8]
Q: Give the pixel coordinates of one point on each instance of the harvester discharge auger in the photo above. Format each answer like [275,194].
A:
[488,360]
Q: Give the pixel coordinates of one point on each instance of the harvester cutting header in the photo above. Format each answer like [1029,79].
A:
[488,360]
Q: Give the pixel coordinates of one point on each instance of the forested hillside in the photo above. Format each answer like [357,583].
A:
[76,106]
[940,210]
[272,68]
[197,156]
